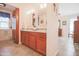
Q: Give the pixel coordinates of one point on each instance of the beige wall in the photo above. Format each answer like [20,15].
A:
[65,28]
[27,23]
[26,19]
[52,31]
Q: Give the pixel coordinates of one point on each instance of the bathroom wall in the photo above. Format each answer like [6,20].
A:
[27,23]
[52,31]
[26,16]
[65,28]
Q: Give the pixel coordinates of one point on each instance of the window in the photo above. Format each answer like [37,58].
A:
[4,20]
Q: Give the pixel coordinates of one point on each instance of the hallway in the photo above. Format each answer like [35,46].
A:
[68,48]
[9,48]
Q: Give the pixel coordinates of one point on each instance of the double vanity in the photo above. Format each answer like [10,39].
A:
[34,39]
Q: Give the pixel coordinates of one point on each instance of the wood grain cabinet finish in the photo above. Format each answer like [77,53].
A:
[41,43]
[24,38]
[34,40]
[27,38]
[76,32]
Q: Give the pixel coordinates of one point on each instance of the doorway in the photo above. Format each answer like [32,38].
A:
[5,29]
[9,23]
[71,26]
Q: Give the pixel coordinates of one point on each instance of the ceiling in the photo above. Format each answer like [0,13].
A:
[27,5]
[8,8]
[65,9]
[69,9]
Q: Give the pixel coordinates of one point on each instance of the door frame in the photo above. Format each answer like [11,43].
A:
[17,30]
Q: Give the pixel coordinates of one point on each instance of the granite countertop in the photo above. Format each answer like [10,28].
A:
[34,29]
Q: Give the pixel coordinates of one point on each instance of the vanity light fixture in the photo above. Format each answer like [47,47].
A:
[30,11]
[43,5]
[2,4]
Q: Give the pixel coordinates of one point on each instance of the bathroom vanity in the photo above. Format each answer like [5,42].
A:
[34,40]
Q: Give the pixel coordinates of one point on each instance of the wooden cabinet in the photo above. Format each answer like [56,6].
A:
[24,37]
[34,40]
[27,38]
[76,32]
[41,43]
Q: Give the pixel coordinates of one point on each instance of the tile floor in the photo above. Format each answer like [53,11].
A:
[9,48]
[68,48]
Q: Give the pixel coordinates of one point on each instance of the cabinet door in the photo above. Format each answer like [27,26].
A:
[76,38]
[76,31]
[23,37]
[41,44]
[32,40]
[27,38]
